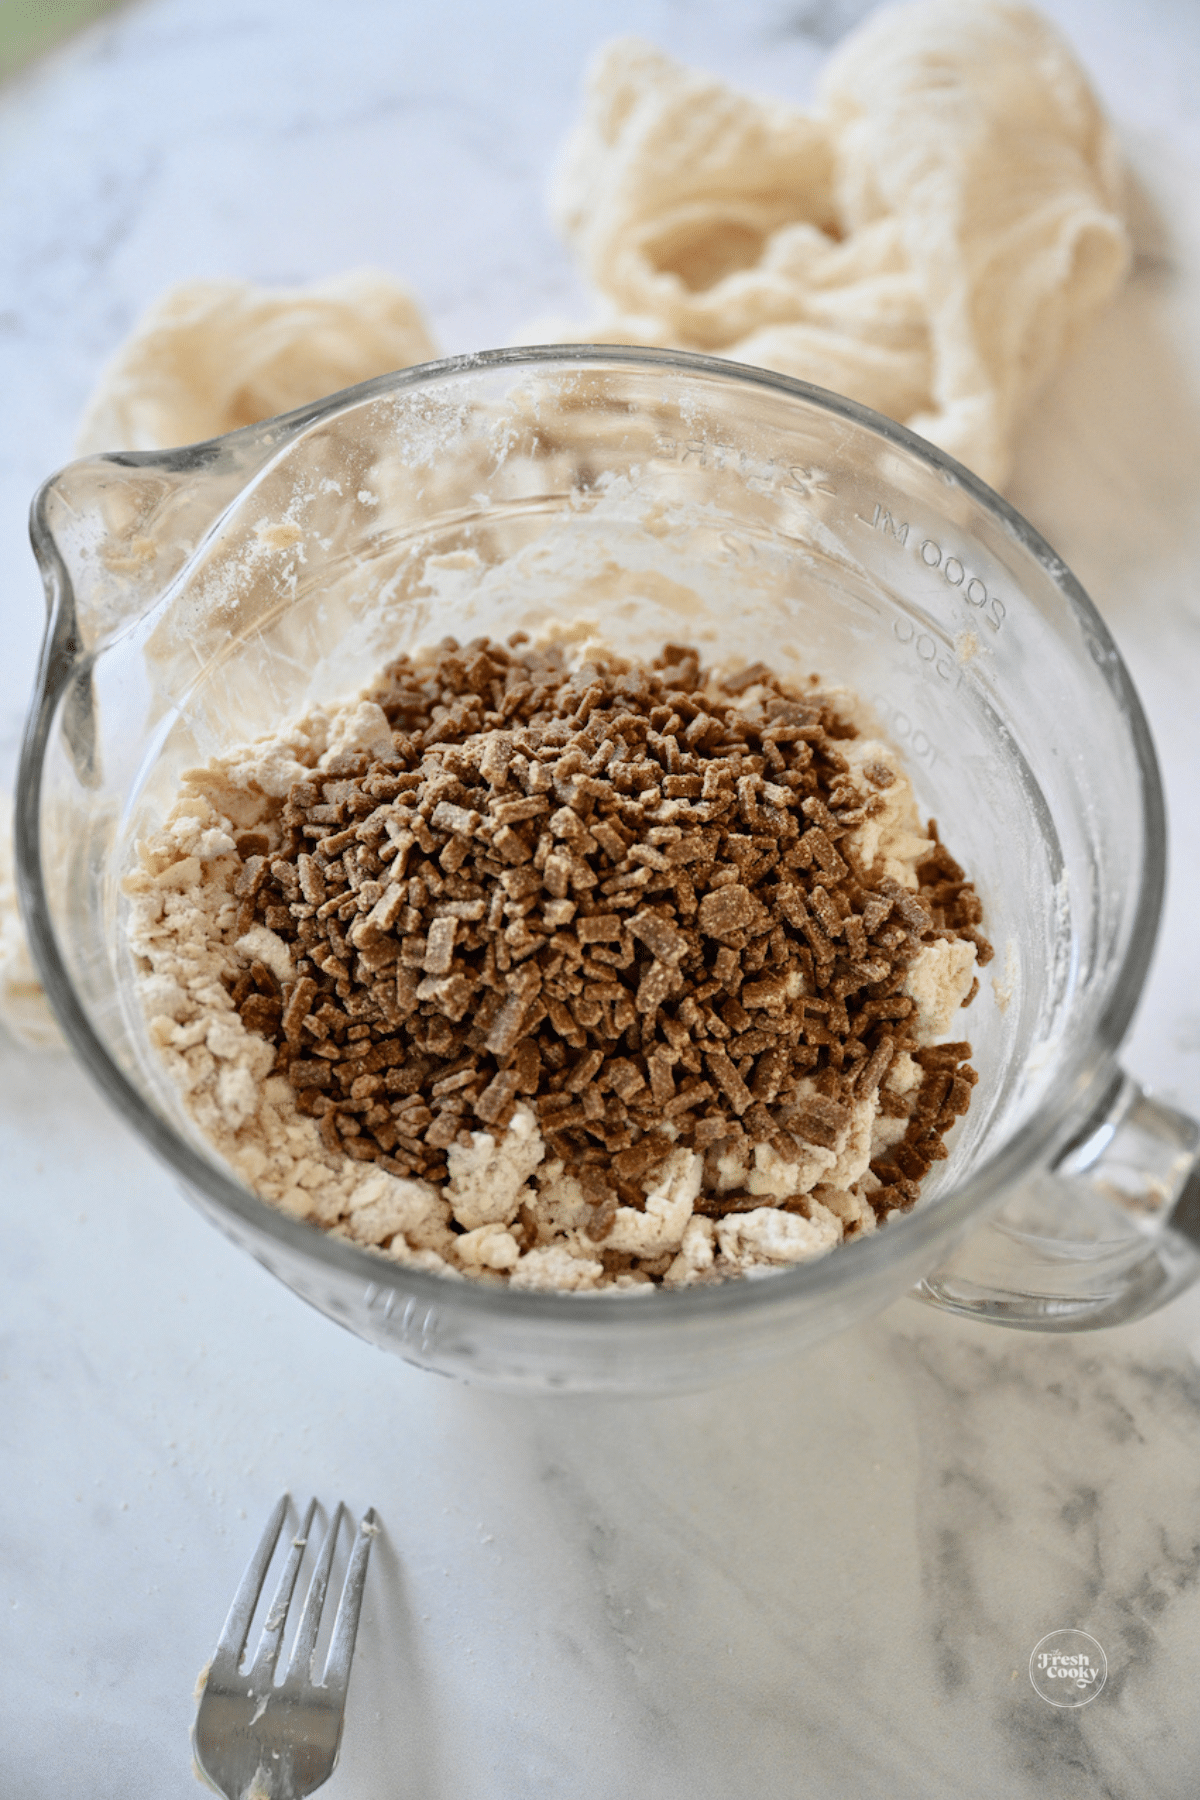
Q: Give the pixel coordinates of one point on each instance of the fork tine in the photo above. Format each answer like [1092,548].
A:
[250,1736]
[232,1642]
[272,1633]
[345,1626]
[299,1668]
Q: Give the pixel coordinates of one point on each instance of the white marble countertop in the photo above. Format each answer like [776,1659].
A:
[826,1582]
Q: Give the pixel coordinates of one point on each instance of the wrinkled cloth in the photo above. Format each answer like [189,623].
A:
[211,356]
[927,241]
[24,1010]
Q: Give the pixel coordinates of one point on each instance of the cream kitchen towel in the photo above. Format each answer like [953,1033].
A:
[211,356]
[927,240]
[24,1009]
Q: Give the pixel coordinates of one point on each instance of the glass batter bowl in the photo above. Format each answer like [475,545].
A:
[204,596]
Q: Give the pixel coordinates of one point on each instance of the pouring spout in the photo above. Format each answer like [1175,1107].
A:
[111,533]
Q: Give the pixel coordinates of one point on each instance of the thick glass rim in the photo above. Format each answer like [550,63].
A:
[1078,1087]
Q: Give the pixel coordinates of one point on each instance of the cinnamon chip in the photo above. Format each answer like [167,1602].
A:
[728,911]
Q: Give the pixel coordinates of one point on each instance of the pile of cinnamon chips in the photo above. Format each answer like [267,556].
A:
[620,894]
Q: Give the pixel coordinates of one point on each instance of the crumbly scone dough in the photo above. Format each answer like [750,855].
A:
[182,915]
[212,356]
[927,241]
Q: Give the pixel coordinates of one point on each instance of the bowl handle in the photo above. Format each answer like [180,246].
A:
[1111,1232]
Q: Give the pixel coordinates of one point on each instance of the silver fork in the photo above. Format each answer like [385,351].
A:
[252,1739]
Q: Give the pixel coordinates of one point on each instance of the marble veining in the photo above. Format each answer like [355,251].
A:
[823,1582]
